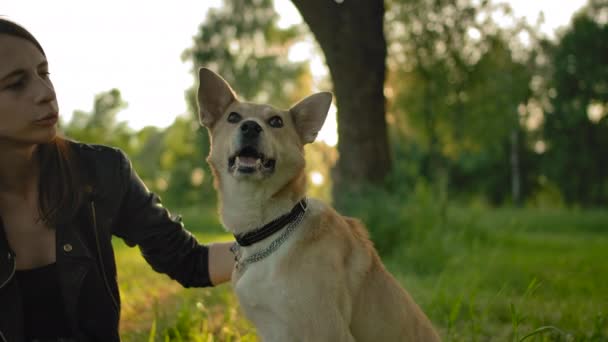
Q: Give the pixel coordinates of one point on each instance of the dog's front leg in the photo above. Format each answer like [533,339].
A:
[300,318]
[330,331]
[324,323]
[325,333]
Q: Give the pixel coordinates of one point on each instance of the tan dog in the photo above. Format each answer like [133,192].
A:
[315,276]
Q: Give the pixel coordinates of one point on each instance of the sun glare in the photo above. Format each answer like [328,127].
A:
[317,178]
[288,13]
[596,111]
[304,51]
[329,132]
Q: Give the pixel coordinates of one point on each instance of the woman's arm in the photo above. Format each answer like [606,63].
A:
[221,262]
[165,244]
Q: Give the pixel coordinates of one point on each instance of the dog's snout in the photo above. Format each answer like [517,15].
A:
[251,129]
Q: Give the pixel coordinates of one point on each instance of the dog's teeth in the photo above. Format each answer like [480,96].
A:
[247,161]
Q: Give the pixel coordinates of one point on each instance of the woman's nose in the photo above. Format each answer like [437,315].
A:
[44,90]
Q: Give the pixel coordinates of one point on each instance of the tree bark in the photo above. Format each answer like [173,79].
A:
[515,168]
[351,36]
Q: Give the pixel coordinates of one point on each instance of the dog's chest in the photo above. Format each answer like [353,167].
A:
[262,288]
[265,300]
[260,282]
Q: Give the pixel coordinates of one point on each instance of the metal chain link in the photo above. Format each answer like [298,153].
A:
[236,249]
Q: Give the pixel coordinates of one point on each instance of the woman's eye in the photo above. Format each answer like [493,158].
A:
[16,85]
[234,117]
[276,122]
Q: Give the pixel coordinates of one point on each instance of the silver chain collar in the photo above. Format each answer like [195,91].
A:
[236,248]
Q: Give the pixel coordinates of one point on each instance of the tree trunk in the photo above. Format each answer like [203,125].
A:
[515,168]
[351,36]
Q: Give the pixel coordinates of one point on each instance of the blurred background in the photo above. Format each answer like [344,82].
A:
[470,136]
[484,102]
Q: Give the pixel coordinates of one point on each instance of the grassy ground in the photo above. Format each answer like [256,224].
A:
[485,275]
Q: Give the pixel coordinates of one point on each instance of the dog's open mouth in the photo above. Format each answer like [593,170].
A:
[250,160]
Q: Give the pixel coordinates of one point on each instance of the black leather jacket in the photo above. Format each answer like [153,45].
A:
[118,204]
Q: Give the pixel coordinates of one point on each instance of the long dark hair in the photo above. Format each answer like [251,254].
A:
[60,183]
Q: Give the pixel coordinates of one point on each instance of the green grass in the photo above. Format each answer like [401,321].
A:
[155,308]
[484,275]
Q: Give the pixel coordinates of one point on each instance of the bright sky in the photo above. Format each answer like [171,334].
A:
[93,46]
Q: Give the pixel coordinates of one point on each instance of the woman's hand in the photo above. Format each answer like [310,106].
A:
[221,262]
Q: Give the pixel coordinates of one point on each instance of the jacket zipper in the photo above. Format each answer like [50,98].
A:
[103,270]
[2,338]
[12,272]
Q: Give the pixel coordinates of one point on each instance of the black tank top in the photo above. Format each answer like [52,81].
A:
[43,308]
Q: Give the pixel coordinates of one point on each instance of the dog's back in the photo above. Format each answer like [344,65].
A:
[382,309]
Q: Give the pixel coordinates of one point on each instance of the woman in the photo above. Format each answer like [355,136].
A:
[60,204]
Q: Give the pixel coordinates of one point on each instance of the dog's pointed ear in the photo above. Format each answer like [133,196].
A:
[309,115]
[214,97]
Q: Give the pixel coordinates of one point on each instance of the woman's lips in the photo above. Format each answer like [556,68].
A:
[48,120]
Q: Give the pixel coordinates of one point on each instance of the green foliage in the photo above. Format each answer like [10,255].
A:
[242,42]
[576,125]
[460,89]
[457,86]
[452,86]
[182,159]
[100,126]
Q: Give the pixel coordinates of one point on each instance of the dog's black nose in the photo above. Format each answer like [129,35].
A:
[251,129]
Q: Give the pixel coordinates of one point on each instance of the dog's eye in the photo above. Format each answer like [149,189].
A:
[275,121]
[234,117]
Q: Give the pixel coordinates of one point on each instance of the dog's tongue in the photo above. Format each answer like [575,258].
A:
[247,161]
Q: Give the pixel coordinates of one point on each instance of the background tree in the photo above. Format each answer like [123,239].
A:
[576,123]
[351,36]
[242,42]
[456,88]
[464,96]
[101,125]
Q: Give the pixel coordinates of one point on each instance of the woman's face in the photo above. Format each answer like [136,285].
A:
[28,105]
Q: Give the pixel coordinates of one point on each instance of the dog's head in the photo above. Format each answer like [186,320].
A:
[257,143]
